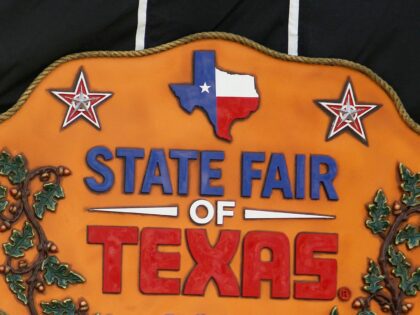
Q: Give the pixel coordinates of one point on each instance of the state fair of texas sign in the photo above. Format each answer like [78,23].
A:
[209,176]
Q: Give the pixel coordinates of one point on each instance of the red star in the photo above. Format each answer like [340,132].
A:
[347,113]
[81,101]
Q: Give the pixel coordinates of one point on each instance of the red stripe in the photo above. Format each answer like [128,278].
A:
[230,109]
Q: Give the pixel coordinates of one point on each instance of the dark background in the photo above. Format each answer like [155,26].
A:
[383,35]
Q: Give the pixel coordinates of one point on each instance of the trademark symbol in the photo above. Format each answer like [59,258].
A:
[344,293]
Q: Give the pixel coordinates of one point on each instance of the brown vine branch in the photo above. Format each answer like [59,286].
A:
[35,267]
[22,194]
[397,296]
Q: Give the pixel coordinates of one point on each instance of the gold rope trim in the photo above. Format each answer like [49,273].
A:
[224,36]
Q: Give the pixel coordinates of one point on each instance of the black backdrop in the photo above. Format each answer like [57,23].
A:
[384,35]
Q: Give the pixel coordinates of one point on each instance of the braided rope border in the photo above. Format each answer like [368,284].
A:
[224,36]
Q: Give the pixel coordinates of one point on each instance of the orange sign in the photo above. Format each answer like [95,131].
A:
[208,176]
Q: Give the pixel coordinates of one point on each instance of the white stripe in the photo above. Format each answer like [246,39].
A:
[160,211]
[293,27]
[265,214]
[235,85]
[141,24]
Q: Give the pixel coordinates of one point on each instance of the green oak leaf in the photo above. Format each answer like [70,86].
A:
[334,311]
[56,307]
[408,284]
[366,312]
[410,184]
[413,284]
[13,167]
[59,274]
[47,199]
[19,241]
[373,278]
[17,286]
[379,212]
[410,235]
[3,201]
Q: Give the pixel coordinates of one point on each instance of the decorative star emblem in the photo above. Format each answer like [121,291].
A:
[81,102]
[347,113]
[205,88]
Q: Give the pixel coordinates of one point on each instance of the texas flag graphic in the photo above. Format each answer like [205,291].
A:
[224,97]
